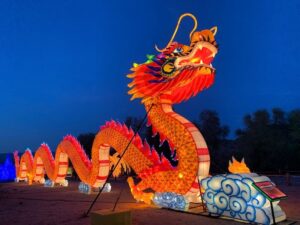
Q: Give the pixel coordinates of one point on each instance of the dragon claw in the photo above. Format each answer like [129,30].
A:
[138,194]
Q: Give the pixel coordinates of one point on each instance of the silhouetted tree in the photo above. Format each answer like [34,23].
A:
[294,140]
[278,117]
[86,140]
[215,136]
[271,143]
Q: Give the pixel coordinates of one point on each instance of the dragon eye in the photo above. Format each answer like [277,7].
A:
[168,68]
[178,50]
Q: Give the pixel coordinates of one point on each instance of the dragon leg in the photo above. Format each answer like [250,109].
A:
[137,191]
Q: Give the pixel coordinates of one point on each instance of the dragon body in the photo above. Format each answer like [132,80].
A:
[176,74]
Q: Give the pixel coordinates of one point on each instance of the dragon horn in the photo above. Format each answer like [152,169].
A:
[176,29]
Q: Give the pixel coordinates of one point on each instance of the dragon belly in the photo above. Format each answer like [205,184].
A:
[191,150]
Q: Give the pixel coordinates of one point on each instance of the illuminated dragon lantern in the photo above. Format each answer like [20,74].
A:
[176,74]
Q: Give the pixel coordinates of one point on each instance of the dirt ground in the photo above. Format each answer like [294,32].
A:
[26,205]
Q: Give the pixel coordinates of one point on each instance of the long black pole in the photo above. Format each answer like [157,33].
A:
[273,215]
[111,172]
[115,205]
[201,196]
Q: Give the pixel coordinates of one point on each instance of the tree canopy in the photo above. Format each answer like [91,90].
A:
[271,142]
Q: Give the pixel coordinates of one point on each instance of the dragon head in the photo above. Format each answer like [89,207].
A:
[179,71]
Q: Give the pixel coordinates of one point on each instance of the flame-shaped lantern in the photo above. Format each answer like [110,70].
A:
[238,167]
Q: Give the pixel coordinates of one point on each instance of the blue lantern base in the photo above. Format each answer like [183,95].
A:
[232,195]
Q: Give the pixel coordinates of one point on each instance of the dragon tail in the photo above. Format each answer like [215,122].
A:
[140,156]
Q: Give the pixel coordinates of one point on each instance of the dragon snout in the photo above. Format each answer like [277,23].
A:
[202,55]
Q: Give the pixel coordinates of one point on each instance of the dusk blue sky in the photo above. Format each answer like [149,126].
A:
[63,64]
